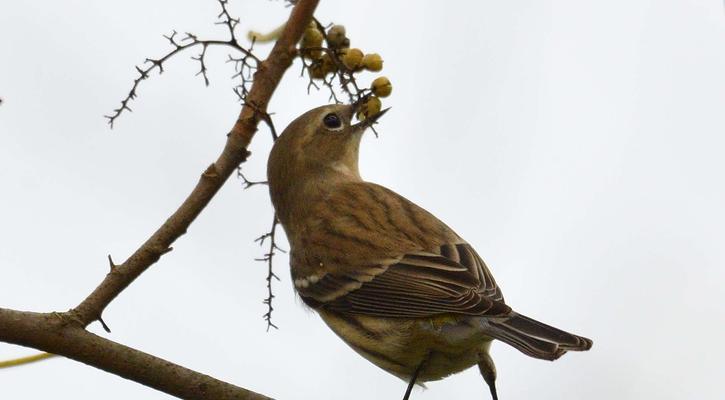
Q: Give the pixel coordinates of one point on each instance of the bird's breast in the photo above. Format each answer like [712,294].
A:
[447,344]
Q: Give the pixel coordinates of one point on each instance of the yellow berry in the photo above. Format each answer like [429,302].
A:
[352,59]
[372,62]
[370,106]
[311,39]
[336,36]
[313,36]
[381,87]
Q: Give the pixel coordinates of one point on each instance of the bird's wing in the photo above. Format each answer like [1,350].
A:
[371,251]
[420,285]
[465,255]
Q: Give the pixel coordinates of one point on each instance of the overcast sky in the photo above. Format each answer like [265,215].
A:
[577,145]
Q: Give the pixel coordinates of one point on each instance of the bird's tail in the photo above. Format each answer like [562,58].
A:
[535,338]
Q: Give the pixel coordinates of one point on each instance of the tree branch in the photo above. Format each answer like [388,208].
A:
[56,334]
[64,333]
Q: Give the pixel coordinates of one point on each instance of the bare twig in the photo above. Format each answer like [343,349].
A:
[246,182]
[188,41]
[202,64]
[226,19]
[268,259]
[244,68]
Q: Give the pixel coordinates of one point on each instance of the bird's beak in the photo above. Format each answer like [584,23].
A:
[369,121]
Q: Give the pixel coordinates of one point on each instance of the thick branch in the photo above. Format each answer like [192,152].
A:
[55,334]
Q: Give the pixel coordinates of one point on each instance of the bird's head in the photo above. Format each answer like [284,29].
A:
[320,145]
[322,140]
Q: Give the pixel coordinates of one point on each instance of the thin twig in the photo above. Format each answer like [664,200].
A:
[226,19]
[268,259]
[188,41]
[202,64]
[246,182]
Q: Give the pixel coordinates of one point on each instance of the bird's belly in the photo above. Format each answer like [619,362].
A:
[445,346]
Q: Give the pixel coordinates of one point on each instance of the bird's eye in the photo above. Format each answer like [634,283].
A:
[332,121]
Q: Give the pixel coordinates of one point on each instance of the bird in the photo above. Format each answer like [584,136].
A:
[396,284]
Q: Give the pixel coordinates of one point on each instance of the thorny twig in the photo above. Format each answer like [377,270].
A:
[244,69]
[188,41]
[271,235]
[202,65]
[226,19]
[268,257]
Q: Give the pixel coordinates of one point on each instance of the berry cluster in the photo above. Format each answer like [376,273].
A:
[338,60]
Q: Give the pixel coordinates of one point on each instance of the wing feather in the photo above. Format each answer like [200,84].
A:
[420,284]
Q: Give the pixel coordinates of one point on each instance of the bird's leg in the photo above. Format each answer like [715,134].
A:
[488,371]
[414,378]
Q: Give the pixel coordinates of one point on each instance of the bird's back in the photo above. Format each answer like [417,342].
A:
[373,227]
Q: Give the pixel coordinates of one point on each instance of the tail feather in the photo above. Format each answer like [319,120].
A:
[535,338]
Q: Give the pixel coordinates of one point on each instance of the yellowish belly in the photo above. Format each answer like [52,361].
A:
[399,346]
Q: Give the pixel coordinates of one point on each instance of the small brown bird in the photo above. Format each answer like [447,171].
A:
[396,284]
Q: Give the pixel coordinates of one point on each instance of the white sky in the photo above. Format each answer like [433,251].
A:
[577,145]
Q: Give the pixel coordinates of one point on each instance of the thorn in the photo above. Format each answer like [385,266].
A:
[103,324]
[111,263]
